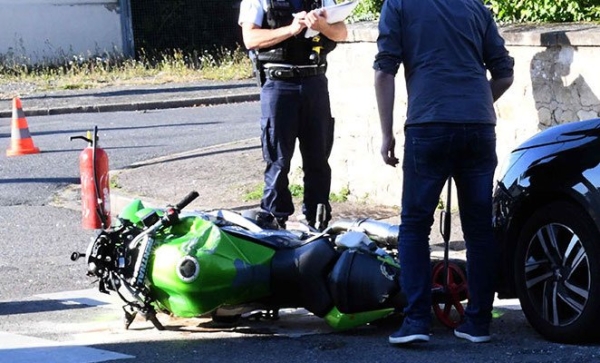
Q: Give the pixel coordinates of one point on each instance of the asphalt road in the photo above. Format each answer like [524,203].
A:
[127,137]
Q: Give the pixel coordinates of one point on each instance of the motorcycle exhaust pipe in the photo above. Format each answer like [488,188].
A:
[378,231]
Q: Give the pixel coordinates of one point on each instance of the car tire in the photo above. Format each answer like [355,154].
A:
[557,273]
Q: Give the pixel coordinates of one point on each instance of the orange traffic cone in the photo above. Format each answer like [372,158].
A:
[21,142]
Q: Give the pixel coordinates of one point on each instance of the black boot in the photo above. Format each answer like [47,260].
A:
[266,220]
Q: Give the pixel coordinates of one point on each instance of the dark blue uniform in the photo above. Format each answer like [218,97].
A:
[295,106]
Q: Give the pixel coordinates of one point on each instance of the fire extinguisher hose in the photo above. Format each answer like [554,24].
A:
[100,204]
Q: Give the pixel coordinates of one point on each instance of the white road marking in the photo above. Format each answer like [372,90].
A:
[23,349]
[510,304]
[89,297]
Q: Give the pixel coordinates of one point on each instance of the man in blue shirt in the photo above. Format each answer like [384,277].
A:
[447,48]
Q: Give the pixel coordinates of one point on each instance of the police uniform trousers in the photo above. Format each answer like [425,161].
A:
[296,109]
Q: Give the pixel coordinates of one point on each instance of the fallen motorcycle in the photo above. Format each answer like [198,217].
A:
[224,265]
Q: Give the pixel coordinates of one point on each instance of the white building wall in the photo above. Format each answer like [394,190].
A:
[35,31]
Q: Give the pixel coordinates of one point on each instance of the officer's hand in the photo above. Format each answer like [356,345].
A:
[387,151]
[316,19]
[297,24]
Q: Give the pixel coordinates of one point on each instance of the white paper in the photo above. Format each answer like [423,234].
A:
[335,13]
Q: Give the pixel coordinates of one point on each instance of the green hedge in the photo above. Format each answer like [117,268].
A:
[513,11]
[554,11]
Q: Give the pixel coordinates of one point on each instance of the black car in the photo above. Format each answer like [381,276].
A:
[547,221]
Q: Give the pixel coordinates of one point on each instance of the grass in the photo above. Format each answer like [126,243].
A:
[81,73]
[341,196]
[256,192]
[297,192]
[114,182]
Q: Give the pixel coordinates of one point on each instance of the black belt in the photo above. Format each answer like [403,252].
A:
[294,72]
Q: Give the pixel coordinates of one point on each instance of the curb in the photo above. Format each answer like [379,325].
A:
[140,106]
[69,197]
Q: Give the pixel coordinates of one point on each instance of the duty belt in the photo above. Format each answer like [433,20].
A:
[287,72]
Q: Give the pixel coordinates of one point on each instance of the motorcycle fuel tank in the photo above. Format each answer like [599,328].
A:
[197,267]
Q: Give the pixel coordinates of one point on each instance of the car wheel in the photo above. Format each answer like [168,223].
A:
[557,273]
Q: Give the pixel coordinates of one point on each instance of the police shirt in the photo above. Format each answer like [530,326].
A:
[253,11]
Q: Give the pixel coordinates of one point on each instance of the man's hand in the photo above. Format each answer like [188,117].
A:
[316,20]
[298,24]
[387,150]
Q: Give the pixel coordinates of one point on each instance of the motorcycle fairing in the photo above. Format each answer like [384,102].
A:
[231,270]
[362,281]
[134,211]
[340,321]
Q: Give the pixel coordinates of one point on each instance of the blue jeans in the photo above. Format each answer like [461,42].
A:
[432,153]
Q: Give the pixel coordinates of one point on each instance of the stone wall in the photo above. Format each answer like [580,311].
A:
[556,81]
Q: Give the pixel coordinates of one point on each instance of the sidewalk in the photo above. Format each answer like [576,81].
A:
[228,182]
[128,98]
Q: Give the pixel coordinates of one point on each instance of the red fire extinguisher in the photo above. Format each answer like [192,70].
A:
[95,190]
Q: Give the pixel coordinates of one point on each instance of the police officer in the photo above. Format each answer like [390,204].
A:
[294,97]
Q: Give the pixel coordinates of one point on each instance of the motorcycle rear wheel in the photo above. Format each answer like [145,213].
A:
[448,292]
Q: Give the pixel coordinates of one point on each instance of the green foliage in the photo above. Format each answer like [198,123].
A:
[254,194]
[114,182]
[511,11]
[366,10]
[341,196]
[553,11]
[296,190]
[257,192]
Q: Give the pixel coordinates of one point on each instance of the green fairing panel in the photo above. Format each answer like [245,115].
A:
[341,321]
[131,211]
[231,270]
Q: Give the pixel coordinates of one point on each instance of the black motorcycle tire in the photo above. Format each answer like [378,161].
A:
[547,264]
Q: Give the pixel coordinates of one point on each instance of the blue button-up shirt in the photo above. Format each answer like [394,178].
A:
[446,47]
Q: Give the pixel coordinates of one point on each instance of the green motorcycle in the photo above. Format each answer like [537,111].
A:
[224,265]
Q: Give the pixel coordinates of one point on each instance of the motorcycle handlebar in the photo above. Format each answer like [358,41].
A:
[170,216]
[187,200]
[172,213]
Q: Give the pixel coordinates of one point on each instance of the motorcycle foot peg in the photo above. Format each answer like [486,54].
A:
[76,256]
